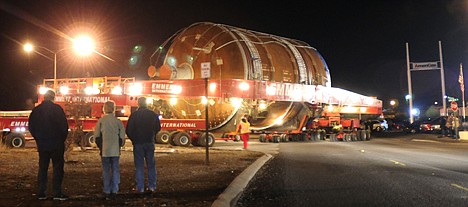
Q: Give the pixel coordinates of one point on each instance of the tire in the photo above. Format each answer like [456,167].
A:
[354,137]
[286,137]
[90,140]
[282,137]
[15,140]
[359,135]
[332,137]
[276,138]
[368,135]
[182,139]
[237,138]
[378,129]
[162,137]
[261,138]
[171,137]
[345,137]
[202,140]
[363,135]
[317,136]
[323,134]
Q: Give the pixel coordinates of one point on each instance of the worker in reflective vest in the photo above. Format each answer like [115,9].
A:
[244,130]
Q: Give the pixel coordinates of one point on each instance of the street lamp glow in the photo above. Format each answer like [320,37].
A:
[28,47]
[83,45]
[392,103]
[415,112]
[408,97]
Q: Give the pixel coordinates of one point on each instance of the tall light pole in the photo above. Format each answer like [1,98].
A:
[83,45]
[28,47]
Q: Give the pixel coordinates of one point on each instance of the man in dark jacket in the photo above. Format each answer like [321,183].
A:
[49,127]
[142,126]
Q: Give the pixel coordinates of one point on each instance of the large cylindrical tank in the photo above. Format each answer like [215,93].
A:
[236,53]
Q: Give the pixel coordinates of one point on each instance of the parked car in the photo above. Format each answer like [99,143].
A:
[433,126]
[377,125]
[396,124]
[412,128]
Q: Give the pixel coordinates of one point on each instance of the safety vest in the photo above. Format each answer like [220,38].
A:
[244,127]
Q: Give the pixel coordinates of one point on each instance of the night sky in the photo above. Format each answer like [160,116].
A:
[363,42]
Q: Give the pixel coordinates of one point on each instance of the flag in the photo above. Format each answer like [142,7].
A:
[460,79]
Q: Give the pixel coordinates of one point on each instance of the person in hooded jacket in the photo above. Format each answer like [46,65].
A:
[142,127]
[49,126]
[110,136]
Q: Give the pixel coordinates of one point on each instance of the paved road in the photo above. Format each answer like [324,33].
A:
[416,170]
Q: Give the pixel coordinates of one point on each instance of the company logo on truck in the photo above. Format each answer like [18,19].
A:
[19,123]
[179,125]
[88,99]
[165,88]
[191,124]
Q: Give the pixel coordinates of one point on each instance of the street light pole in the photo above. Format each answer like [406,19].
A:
[55,71]
[83,46]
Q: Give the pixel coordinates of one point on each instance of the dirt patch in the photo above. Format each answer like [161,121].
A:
[184,179]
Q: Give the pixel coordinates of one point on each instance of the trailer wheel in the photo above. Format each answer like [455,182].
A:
[368,135]
[333,138]
[363,135]
[15,140]
[237,138]
[261,138]
[182,139]
[345,137]
[90,140]
[276,138]
[171,137]
[285,137]
[162,137]
[354,137]
[202,140]
[323,134]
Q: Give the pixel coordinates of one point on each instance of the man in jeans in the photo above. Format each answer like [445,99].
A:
[111,133]
[49,127]
[142,126]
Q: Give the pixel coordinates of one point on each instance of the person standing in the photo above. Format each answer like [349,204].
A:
[244,130]
[443,127]
[455,125]
[448,125]
[49,126]
[142,126]
[110,136]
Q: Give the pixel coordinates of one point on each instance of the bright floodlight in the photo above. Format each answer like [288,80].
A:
[64,90]
[244,86]
[83,45]
[28,47]
[204,100]
[43,90]
[415,112]
[408,97]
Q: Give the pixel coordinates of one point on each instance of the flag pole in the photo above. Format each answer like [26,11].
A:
[462,87]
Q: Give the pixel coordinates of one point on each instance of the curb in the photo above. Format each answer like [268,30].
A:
[232,193]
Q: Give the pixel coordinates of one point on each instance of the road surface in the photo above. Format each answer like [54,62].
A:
[414,170]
